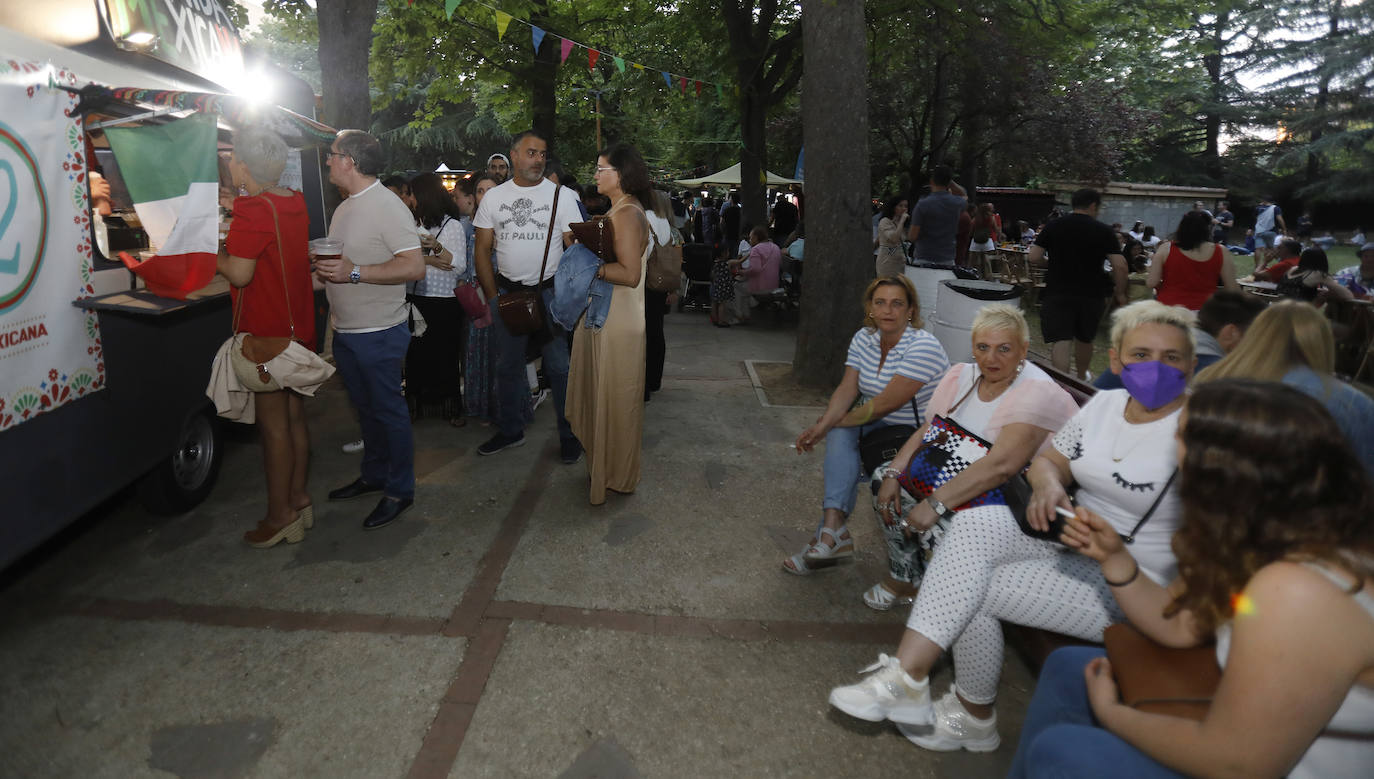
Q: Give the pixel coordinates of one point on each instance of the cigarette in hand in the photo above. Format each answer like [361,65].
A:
[1063,512]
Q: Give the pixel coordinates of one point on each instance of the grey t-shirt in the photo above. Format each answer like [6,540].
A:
[374,226]
[938,216]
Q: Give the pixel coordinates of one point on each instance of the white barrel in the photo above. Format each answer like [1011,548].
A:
[927,277]
[957,303]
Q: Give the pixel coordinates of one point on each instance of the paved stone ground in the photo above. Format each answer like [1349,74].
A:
[502,628]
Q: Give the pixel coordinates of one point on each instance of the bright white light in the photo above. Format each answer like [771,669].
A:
[139,38]
[257,87]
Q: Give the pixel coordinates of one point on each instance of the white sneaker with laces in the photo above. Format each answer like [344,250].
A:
[954,729]
[353,447]
[890,693]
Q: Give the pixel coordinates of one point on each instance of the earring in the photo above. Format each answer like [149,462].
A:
[1020,366]
[869,321]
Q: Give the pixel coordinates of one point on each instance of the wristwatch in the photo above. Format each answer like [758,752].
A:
[355,275]
[941,510]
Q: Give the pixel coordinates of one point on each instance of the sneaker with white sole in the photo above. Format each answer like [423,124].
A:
[353,447]
[889,693]
[954,729]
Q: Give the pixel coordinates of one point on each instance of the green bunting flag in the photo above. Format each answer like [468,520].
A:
[450,6]
[620,64]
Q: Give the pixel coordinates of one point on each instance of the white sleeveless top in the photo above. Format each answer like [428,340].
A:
[1345,748]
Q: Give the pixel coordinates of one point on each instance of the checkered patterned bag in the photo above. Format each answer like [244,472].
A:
[946,450]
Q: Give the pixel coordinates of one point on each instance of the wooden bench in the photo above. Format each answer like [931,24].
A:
[1033,645]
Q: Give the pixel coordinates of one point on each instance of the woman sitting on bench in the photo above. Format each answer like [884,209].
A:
[1119,448]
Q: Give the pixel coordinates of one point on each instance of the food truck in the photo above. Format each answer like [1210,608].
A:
[103,371]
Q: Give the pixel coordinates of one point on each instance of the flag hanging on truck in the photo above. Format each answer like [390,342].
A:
[172,174]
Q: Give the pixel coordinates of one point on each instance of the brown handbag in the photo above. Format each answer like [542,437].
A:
[522,310]
[665,269]
[1159,679]
[597,234]
[255,351]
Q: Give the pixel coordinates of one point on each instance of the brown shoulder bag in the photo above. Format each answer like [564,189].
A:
[522,310]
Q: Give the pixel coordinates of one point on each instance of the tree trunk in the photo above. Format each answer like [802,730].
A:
[1212,62]
[753,159]
[1323,97]
[839,254]
[543,81]
[345,43]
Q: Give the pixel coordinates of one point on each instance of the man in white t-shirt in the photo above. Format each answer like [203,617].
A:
[367,299]
[513,231]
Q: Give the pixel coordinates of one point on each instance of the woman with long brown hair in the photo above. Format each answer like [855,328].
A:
[1276,562]
[605,402]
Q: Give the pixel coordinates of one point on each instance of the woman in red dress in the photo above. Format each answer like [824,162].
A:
[265,258]
[1186,271]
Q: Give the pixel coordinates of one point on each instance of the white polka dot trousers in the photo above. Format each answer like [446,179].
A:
[987,570]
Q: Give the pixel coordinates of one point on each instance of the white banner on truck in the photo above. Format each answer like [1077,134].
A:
[50,351]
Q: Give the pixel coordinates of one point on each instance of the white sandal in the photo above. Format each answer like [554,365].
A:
[880,598]
[839,549]
[796,564]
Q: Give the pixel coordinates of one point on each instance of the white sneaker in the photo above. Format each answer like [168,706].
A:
[353,447]
[954,729]
[890,693]
[540,397]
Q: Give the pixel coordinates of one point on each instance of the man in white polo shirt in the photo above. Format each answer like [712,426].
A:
[367,299]
[513,226]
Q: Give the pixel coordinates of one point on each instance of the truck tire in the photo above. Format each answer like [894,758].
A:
[182,481]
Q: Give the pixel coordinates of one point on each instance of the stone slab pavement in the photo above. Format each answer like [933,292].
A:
[502,628]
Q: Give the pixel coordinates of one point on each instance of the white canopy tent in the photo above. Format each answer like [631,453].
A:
[731,176]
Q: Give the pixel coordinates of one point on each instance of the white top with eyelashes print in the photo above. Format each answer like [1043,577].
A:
[1121,492]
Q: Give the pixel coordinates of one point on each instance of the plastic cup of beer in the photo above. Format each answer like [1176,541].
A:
[326,249]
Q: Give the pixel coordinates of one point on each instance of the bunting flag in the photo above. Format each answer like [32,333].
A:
[566,46]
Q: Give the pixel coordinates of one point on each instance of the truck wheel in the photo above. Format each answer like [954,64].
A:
[179,483]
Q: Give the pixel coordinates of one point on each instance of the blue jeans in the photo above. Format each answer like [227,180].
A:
[370,364]
[842,468]
[512,382]
[1061,738]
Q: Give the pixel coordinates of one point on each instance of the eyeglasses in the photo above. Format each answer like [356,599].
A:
[603,168]
[337,154]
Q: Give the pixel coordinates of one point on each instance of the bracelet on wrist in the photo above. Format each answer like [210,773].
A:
[890,473]
[1134,574]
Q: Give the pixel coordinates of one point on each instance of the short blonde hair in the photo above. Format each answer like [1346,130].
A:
[1145,312]
[263,153]
[1285,335]
[911,296]
[1001,316]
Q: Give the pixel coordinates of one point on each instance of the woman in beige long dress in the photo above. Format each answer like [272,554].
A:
[605,404]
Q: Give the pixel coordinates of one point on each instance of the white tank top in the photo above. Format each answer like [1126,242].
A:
[1345,748]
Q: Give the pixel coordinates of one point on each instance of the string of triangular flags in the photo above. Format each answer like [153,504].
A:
[567,45]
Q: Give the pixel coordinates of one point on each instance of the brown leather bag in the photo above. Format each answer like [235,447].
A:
[1159,679]
[665,269]
[597,234]
[522,310]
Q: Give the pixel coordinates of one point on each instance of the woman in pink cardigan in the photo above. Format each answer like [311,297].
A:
[999,397]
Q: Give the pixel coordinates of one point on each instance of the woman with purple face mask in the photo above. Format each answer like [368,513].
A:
[1120,450]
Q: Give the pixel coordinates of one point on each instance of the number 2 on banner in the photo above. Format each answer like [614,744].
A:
[10,265]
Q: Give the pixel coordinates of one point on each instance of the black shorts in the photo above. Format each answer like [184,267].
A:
[1071,318]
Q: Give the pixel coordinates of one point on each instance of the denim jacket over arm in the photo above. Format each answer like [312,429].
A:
[576,289]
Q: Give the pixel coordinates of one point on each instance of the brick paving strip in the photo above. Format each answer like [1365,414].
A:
[484,621]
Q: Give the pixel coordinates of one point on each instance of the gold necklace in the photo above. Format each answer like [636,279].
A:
[1143,436]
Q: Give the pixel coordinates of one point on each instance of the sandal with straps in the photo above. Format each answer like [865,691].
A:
[838,549]
[880,598]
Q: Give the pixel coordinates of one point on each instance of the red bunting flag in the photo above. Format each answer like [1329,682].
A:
[567,47]
[682,80]
[592,55]
[698,89]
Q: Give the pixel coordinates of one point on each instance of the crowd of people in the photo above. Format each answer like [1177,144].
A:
[1217,488]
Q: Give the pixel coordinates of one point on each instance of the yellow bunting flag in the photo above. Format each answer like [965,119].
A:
[502,22]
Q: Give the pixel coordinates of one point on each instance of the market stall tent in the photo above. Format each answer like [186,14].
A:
[731,176]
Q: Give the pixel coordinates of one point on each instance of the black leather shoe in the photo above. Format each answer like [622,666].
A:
[356,489]
[387,510]
[570,450]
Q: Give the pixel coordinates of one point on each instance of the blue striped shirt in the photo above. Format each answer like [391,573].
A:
[918,356]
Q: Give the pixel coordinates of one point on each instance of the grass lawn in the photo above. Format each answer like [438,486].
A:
[1339,257]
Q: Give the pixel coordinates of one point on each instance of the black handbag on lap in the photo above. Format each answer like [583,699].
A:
[881,444]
